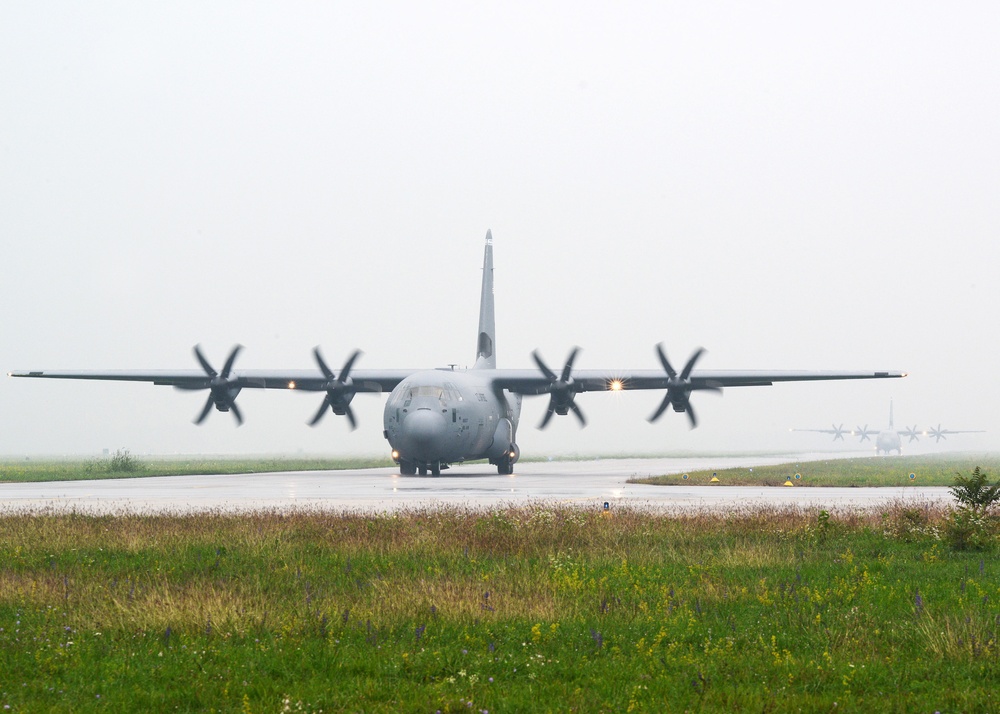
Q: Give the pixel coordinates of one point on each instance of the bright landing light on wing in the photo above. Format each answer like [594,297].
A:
[291,385]
[615,385]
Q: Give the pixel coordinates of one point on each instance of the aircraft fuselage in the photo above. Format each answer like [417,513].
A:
[438,417]
[887,441]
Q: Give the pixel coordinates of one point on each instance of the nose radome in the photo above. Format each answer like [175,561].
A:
[420,431]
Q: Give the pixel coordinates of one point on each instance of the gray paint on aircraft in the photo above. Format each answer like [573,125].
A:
[437,417]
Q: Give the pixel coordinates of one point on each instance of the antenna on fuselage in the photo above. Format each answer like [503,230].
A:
[486,343]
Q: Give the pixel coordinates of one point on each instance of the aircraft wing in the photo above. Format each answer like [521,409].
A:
[677,387]
[939,433]
[530,381]
[310,380]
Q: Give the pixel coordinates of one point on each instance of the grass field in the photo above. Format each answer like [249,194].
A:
[124,465]
[935,470]
[513,610]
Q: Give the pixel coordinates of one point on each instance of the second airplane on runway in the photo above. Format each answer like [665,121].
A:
[889,439]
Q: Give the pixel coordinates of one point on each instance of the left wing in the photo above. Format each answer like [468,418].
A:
[562,388]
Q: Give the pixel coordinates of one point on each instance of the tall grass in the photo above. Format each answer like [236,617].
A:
[527,609]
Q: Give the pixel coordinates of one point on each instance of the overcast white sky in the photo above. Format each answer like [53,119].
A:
[791,185]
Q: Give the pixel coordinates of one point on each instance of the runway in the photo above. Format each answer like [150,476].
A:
[587,484]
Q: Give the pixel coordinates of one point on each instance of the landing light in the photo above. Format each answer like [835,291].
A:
[616,385]
[291,385]
[395,455]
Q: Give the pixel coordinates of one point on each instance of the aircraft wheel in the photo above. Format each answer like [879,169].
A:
[436,468]
[407,468]
[505,467]
[422,470]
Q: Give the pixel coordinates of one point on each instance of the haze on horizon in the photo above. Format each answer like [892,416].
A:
[790,186]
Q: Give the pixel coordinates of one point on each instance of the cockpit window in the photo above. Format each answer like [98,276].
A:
[426,391]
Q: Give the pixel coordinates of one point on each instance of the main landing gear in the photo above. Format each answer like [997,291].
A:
[505,466]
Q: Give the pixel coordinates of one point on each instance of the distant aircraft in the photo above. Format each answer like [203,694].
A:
[889,439]
[437,417]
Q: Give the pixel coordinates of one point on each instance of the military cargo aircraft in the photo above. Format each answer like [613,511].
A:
[437,417]
[889,439]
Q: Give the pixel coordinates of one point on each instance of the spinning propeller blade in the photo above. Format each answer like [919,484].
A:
[562,389]
[679,386]
[340,389]
[222,389]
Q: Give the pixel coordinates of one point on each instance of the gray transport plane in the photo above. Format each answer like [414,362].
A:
[437,417]
[890,439]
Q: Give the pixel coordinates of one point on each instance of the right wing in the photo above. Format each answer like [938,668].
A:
[364,380]
[837,431]
[223,387]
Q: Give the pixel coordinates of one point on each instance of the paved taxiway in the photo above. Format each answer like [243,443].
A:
[584,483]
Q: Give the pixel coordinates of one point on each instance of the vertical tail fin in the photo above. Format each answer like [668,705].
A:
[890,414]
[486,344]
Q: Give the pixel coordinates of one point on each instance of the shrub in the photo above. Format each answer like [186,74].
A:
[975,492]
[964,529]
[970,526]
[123,462]
[910,524]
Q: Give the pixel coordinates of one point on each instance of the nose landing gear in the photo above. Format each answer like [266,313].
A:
[412,468]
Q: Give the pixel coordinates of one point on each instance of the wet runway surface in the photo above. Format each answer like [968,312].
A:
[583,483]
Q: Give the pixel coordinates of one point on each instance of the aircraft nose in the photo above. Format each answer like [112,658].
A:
[421,430]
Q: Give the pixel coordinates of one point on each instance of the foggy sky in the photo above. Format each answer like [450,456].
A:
[792,186]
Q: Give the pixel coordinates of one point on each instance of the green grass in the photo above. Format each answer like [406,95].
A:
[109,467]
[511,610]
[936,470]
[123,464]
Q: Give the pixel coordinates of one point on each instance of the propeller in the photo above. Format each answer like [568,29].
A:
[679,387]
[864,433]
[562,389]
[222,388]
[340,389]
[912,433]
[838,432]
[938,433]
